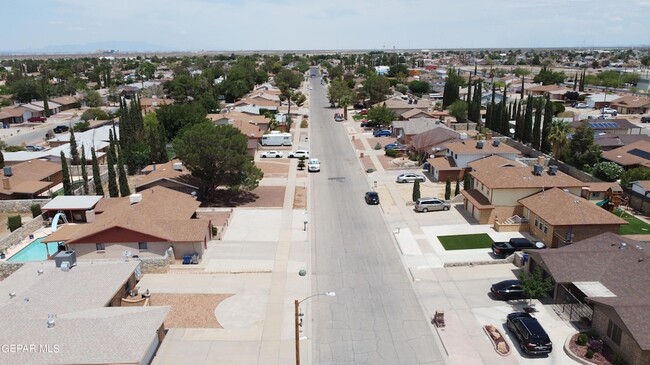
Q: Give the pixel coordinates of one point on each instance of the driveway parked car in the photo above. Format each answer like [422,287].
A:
[609,111]
[382,133]
[372,198]
[364,112]
[580,105]
[645,119]
[507,290]
[271,154]
[410,177]
[34,148]
[431,204]
[61,128]
[532,338]
[395,146]
[313,165]
[299,153]
[37,119]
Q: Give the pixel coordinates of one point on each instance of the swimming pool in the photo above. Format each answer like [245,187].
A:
[35,251]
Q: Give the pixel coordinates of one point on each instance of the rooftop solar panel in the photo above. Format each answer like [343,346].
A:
[640,153]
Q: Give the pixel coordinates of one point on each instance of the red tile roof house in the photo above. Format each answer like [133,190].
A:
[146,224]
[559,218]
[497,190]
[610,274]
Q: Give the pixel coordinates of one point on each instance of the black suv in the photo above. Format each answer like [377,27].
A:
[508,289]
[532,338]
[61,128]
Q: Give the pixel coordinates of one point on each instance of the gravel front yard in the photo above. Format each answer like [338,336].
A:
[190,310]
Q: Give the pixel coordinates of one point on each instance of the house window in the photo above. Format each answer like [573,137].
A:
[536,221]
[142,246]
[614,332]
[100,246]
[545,229]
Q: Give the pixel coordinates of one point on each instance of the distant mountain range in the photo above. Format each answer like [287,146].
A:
[121,46]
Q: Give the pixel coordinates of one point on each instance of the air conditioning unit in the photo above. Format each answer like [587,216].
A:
[552,170]
[178,166]
[538,170]
[479,144]
[135,198]
[496,142]
[68,258]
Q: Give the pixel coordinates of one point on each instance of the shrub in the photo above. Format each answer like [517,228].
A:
[608,171]
[589,354]
[82,126]
[214,231]
[94,113]
[596,345]
[304,123]
[36,210]
[378,146]
[370,170]
[391,153]
[14,222]
[582,339]
[14,148]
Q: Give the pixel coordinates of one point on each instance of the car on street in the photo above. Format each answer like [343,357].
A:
[530,334]
[431,204]
[372,198]
[37,119]
[338,117]
[580,105]
[299,154]
[395,146]
[271,154]
[61,128]
[609,111]
[382,133]
[508,290]
[313,165]
[410,177]
[34,148]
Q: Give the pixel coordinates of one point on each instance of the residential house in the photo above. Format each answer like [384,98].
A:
[53,106]
[429,142]
[76,316]
[604,277]
[74,207]
[406,129]
[148,224]
[597,191]
[151,104]
[639,196]
[598,101]
[67,102]
[630,156]
[631,104]
[231,117]
[555,92]
[559,218]
[610,126]
[465,151]
[54,154]
[415,114]
[171,175]
[497,190]
[14,115]
[400,106]
[30,179]
[260,98]
[608,141]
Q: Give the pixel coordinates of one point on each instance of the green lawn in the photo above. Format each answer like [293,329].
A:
[359,117]
[634,225]
[466,241]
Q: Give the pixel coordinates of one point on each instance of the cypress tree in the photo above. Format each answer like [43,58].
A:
[528,121]
[519,123]
[113,191]
[84,173]
[581,88]
[416,190]
[467,181]
[97,179]
[74,151]
[575,82]
[548,120]
[124,183]
[2,160]
[67,184]
[521,96]
[111,145]
[162,147]
[44,82]
[537,127]
[448,189]
[468,98]
[457,190]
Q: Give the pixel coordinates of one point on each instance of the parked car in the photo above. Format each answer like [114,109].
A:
[395,146]
[338,117]
[299,153]
[430,204]
[507,290]
[531,336]
[363,112]
[410,177]
[37,119]
[580,105]
[61,128]
[611,111]
[34,148]
[372,198]
[367,123]
[645,119]
[271,154]
[382,133]
[313,165]
[503,249]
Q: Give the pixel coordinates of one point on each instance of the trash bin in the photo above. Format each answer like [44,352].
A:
[187,259]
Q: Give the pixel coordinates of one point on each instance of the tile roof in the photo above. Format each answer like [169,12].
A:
[166,171]
[606,124]
[433,138]
[604,259]
[413,112]
[398,103]
[65,100]
[619,140]
[560,208]
[477,199]
[27,177]
[645,184]
[523,178]
[162,214]
[494,161]
[417,125]
[79,299]
[445,163]
[468,147]
[631,101]
[13,111]
[545,88]
[637,153]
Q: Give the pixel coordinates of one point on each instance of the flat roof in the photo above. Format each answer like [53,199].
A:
[72,202]
[593,289]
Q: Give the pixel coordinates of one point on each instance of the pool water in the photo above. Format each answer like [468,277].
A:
[35,251]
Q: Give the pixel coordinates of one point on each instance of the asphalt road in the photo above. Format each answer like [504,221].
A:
[375,317]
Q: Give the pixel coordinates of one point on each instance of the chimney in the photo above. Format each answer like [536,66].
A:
[5,183]
[541,160]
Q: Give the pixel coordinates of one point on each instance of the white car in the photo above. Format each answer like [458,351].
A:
[609,111]
[299,154]
[410,177]
[313,165]
[271,154]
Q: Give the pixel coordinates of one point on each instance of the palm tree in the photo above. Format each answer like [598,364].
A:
[558,136]
[344,103]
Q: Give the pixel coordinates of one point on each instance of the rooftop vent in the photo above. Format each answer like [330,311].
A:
[50,320]
[496,142]
[552,170]
[135,198]
[623,245]
[479,144]
[178,166]
[538,169]
[12,295]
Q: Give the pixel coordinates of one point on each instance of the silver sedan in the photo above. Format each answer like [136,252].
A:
[410,177]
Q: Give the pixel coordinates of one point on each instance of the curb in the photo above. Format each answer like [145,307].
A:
[571,354]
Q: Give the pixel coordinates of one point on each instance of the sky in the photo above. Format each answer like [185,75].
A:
[237,25]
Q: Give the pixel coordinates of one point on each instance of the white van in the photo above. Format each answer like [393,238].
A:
[276,139]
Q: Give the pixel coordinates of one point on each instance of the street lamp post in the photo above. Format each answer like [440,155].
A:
[297,320]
